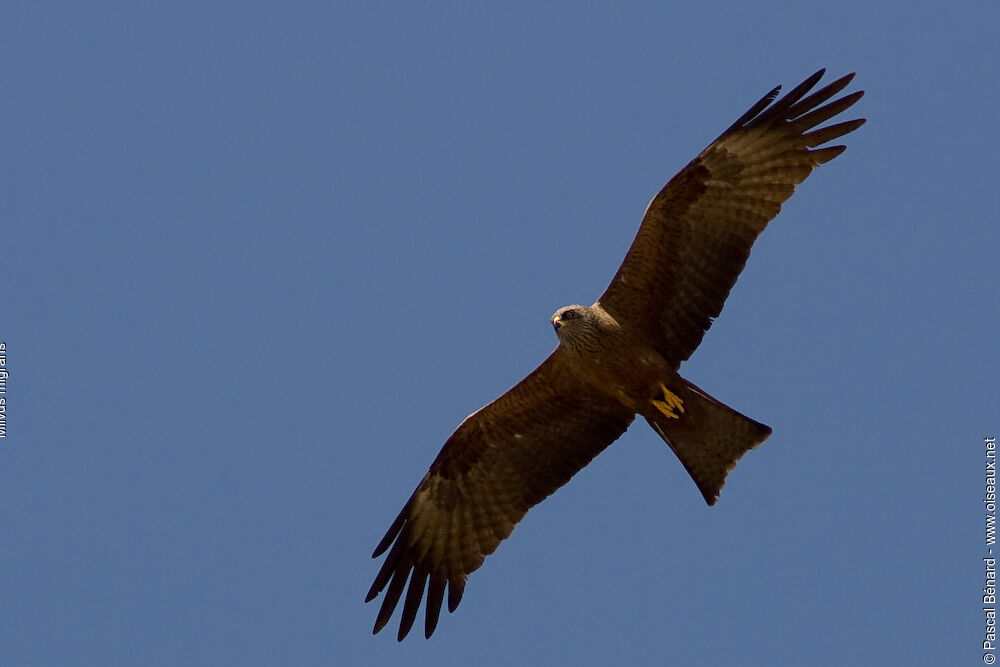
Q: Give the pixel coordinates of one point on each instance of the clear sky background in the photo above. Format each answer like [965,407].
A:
[257,261]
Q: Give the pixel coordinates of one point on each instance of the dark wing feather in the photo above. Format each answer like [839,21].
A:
[697,232]
[502,460]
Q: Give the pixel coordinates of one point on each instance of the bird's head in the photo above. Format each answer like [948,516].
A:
[568,319]
[585,327]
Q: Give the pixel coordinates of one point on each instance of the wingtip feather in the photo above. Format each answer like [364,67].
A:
[411,605]
[385,572]
[823,155]
[813,100]
[391,598]
[831,132]
[455,589]
[796,93]
[394,529]
[435,596]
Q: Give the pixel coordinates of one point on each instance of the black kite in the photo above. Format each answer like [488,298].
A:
[616,359]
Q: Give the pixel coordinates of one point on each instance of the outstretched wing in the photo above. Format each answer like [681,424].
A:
[697,232]
[501,461]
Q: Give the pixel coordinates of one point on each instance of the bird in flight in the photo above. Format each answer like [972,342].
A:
[616,359]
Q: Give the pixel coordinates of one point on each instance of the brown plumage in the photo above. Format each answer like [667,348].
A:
[616,359]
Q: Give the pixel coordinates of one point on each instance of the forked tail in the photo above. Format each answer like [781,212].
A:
[709,438]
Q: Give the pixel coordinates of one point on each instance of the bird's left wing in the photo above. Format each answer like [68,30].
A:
[501,461]
[697,232]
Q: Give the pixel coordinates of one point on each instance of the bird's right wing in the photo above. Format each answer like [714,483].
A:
[501,461]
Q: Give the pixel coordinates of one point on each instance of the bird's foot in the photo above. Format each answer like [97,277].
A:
[669,403]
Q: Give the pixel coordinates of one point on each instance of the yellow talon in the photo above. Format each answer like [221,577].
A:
[665,409]
[670,403]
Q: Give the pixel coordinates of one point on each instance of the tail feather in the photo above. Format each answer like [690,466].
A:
[709,440]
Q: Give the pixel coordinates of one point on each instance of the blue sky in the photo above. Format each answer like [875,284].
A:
[258,261]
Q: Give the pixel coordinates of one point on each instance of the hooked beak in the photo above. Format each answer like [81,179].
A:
[556,323]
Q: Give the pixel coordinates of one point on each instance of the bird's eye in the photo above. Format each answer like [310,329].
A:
[569,314]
